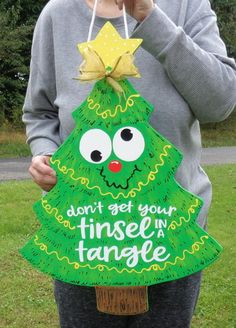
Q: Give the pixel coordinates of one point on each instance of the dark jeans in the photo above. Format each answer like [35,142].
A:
[171,305]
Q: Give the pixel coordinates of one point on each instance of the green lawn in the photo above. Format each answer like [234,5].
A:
[220,134]
[13,143]
[26,298]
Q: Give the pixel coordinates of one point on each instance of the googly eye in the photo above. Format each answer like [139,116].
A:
[95,146]
[128,144]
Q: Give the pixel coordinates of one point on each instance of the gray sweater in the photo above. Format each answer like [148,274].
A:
[185,71]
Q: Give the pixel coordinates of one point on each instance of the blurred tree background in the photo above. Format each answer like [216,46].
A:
[226,14]
[17,20]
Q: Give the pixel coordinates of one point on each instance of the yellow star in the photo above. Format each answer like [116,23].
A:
[109,45]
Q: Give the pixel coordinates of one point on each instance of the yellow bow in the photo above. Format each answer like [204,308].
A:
[93,68]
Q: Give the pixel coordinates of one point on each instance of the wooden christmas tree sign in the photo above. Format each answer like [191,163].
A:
[117,219]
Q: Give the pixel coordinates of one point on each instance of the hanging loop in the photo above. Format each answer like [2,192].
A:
[125,23]
[93,20]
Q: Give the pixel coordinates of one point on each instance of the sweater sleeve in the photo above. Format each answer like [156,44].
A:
[40,114]
[194,58]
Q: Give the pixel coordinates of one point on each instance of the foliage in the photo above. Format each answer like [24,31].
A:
[17,19]
[13,63]
[226,13]
[220,134]
[28,9]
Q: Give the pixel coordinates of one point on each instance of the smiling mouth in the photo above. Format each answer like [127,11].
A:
[113,183]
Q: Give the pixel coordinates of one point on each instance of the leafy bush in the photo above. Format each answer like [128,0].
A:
[226,13]
[17,20]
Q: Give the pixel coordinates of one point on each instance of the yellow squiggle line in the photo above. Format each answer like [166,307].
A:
[44,248]
[108,112]
[182,219]
[131,193]
[195,248]
[151,175]
[54,211]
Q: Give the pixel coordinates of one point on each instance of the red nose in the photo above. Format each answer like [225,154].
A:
[115,166]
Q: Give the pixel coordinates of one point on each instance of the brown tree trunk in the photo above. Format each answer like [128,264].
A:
[122,300]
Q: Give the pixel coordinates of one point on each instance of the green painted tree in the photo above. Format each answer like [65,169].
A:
[117,216]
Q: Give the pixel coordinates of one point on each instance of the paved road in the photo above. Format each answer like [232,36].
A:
[14,169]
[219,155]
[17,169]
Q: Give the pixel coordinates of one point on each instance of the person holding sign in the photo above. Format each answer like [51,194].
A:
[186,74]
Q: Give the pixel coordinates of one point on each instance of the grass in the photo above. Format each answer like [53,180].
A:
[220,134]
[13,142]
[216,308]
[26,298]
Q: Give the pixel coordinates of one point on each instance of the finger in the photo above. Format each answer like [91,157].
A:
[120,4]
[47,187]
[42,179]
[46,160]
[39,180]
[41,164]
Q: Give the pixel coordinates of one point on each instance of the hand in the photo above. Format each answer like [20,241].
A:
[138,9]
[42,173]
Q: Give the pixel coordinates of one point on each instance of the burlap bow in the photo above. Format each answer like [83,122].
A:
[93,68]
